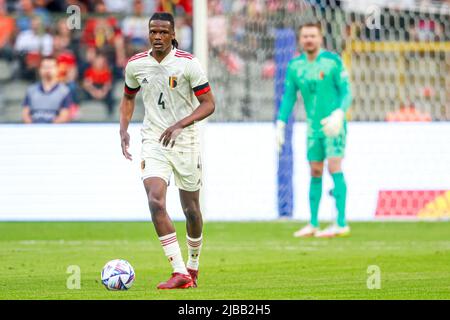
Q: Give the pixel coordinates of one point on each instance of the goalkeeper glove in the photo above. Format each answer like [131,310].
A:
[332,125]
[280,128]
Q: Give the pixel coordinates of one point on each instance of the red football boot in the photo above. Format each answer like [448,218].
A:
[194,276]
[177,281]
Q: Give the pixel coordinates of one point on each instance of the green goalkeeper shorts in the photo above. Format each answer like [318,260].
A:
[321,148]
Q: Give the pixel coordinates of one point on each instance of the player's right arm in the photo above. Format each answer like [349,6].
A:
[289,96]
[127,108]
[287,105]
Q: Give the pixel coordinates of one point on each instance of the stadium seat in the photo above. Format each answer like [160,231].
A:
[92,111]
[6,71]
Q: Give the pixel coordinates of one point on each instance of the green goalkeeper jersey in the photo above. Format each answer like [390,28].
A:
[324,85]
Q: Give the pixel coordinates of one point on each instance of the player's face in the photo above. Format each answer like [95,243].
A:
[310,39]
[161,35]
[48,69]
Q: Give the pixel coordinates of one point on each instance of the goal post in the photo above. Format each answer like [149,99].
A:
[200,39]
[200,36]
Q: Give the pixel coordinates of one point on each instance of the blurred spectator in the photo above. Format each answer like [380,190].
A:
[83,5]
[67,63]
[7,27]
[103,33]
[427,29]
[87,59]
[117,6]
[65,35]
[53,5]
[40,9]
[176,7]
[127,6]
[64,50]
[184,33]
[135,29]
[361,6]
[268,70]
[217,26]
[218,37]
[26,12]
[35,39]
[97,82]
[408,113]
[32,45]
[149,7]
[47,101]
[255,9]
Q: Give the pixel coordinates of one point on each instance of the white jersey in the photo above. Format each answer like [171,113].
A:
[169,91]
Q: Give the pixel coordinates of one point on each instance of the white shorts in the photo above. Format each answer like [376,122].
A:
[159,162]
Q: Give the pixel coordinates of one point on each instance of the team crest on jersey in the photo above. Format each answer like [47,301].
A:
[172,82]
[321,75]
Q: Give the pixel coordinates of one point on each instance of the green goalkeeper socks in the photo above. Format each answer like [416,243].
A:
[340,194]
[315,193]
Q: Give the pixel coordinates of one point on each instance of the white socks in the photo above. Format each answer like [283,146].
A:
[194,247]
[172,250]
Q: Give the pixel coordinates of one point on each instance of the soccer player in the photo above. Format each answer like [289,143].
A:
[323,81]
[47,101]
[176,95]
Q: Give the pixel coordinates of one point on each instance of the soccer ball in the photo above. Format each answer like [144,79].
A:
[118,274]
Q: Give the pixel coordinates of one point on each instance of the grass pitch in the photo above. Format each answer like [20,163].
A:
[252,260]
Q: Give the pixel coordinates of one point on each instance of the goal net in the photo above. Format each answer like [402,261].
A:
[397,54]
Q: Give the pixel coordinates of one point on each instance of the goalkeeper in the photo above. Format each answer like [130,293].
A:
[323,82]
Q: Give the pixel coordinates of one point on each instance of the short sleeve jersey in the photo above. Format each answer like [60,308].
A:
[169,91]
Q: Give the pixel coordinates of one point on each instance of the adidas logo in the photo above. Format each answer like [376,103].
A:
[144,81]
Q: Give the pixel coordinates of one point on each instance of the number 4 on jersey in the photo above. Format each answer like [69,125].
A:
[161,101]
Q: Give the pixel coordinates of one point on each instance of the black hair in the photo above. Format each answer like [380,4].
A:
[165,16]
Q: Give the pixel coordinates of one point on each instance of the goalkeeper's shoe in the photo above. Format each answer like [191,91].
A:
[306,231]
[177,281]
[194,276]
[333,231]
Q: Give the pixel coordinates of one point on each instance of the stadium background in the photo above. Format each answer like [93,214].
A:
[398,156]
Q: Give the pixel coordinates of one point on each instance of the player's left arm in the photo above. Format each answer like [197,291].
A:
[333,124]
[204,110]
[342,81]
[202,91]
